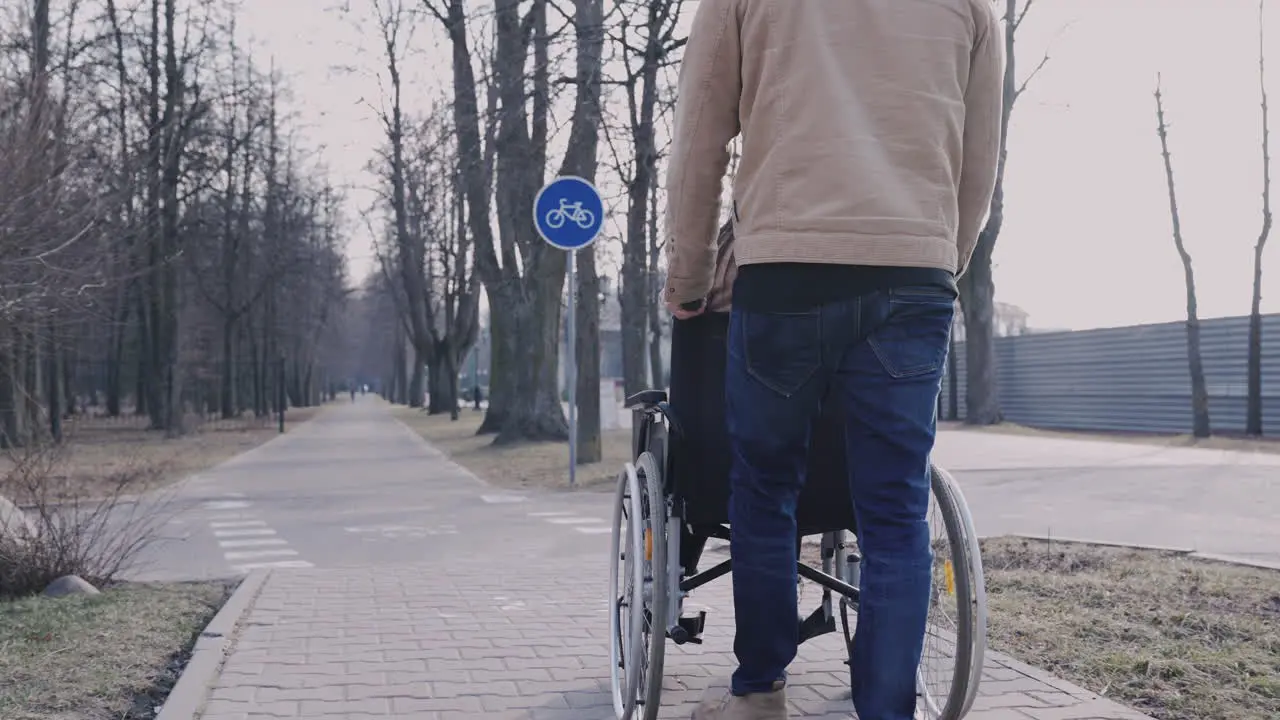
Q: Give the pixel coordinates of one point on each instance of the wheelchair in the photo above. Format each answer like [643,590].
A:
[673,498]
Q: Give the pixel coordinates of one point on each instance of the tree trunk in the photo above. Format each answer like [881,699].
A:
[450,384]
[444,397]
[1253,411]
[536,413]
[581,160]
[982,389]
[228,392]
[417,377]
[1199,391]
[32,384]
[54,389]
[502,357]
[635,276]
[657,371]
[8,394]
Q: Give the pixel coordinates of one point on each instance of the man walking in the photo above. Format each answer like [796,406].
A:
[870,140]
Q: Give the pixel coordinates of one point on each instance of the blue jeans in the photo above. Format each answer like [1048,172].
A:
[881,357]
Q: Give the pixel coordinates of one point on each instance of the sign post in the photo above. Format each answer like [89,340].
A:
[569,213]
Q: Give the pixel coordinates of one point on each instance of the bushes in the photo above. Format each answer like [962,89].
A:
[97,534]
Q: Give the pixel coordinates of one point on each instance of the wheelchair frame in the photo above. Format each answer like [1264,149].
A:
[665,582]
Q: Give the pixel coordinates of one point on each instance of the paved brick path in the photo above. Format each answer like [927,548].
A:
[512,636]
[434,598]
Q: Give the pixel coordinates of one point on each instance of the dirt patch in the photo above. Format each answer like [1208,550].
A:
[115,655]
[1268,445]
[1174,637]
[540,466]
[98,453]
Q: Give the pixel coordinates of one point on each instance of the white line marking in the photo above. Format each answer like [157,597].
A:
[251,554]
[225,504]
[257,542]
[244,533]
[277,564]
[594,530]
[574,521]
[230,516]
[503,498]
[236,523]
[548,514]
[233,494]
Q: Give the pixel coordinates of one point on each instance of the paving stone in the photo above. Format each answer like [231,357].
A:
[361,642]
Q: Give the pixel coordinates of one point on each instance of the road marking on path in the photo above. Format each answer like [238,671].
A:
[246,541]
[391,532]
[225,504]
[243,532]
[498,499]
[223,524]
[280,564]
[254,554]
[584,525]
[255,542]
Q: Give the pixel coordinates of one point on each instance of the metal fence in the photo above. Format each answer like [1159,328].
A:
[1133,379]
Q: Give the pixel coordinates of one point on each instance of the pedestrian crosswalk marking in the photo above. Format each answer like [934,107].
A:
[243,532]
[252,554]
[254,542]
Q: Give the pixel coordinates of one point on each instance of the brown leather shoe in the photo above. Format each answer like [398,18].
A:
[720,704]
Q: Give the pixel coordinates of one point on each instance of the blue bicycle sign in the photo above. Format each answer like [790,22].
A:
[568,213]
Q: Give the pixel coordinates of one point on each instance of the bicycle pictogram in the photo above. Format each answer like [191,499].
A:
[572,211]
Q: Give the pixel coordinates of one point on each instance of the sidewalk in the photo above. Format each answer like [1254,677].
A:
[505,618]
[516,640]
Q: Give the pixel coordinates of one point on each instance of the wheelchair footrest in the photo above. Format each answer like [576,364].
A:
[689,628]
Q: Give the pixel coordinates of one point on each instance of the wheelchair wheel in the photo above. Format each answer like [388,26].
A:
[638,591]
[956,631]
[956,635]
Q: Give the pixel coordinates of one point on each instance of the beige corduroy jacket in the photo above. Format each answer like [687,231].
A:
[870,134]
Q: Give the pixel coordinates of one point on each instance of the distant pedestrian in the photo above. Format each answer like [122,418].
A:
[476,395]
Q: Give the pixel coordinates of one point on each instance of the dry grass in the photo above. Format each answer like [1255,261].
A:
[1261,445]
[99,451]
[540,466]
[115,655]
[1174,637]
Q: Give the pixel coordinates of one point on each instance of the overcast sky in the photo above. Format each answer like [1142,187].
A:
[1087,240]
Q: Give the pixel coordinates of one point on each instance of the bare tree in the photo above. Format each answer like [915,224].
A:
[154,214]
[1253,410]
[1199,391]
[977,285]
[581,160]
[522,275]
[644,51]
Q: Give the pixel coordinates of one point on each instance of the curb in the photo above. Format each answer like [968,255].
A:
[437,453]
[187,697]
[1232,560]
[1188,552]
[1103,543]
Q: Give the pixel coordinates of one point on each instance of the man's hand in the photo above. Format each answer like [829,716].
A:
[684,311]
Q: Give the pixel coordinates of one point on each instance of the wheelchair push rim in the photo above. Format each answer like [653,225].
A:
[638,591]
[952,658]
[955,637]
